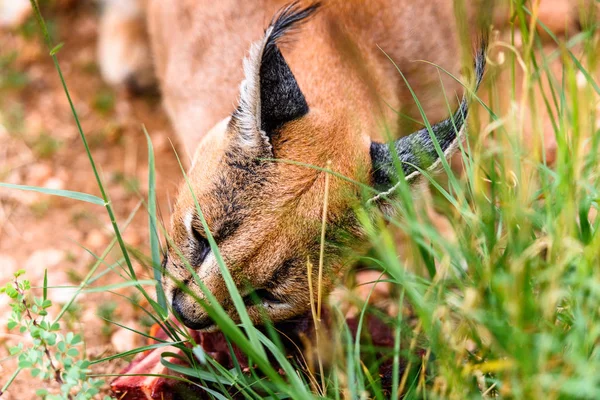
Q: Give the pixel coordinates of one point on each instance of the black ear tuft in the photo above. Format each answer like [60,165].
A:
[281,98]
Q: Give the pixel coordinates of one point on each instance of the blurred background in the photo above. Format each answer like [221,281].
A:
[40,146]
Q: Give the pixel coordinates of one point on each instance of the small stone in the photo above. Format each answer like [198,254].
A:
[132,237]
[43,259]
[4,316]
[125,339]
[54,183]
[89,316]
[39,173]
[64,291]
[62,174]
[95,240]
[8,266]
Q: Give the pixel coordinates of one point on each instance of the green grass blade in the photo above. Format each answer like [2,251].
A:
[152,223]
[135,351]
[281,358]
[45,290]
[69,194]
[120,285]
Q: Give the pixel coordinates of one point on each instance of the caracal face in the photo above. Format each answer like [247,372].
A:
[266,219]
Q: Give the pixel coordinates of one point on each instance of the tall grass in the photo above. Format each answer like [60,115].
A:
[509,306]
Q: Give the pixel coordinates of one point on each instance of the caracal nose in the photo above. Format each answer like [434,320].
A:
[190,312]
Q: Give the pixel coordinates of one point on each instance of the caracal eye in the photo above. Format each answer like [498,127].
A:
[201,247]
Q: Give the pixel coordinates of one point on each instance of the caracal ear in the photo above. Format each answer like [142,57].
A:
[269,94]
[417,151]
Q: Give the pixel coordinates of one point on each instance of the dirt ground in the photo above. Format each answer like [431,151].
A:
[40,146]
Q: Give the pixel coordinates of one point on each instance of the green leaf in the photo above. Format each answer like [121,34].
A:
[51,339]
[200,354]
[57,192]
[73,352]
[11,292]
[76,340]
[193,372]
[134,351]
[45,292]
[56,48]
[154,242]
[120,286]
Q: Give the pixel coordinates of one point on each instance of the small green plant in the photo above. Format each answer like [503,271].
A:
[45,145]
[13,118]
[52,355]
[130,183]
[104,101]
[11,77]
[40,208]
[106,311]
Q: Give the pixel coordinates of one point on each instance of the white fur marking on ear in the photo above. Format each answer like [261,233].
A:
[187,222]
[415,174]
[250,107]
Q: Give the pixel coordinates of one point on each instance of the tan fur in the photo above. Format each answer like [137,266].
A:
[351,88]
[344,76]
